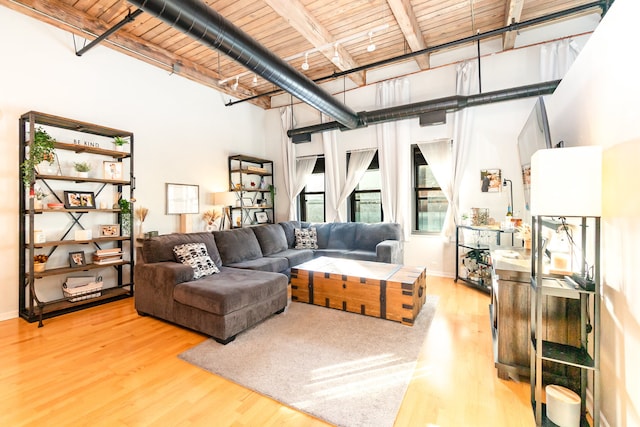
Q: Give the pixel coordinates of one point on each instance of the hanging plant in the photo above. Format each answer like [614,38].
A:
[41,149]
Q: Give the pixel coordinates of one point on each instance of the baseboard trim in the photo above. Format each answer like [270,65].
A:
[8,315]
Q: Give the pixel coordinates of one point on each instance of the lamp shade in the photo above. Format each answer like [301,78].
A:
[224,198]
[567,181]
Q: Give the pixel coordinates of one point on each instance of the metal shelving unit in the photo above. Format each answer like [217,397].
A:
[586,356]
[33,306]
[479,252]
[251,199]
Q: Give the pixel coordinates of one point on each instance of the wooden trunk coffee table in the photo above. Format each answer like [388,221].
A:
[389,291]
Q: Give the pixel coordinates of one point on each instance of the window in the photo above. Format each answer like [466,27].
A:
[430,202]
[365,202]
[311,198]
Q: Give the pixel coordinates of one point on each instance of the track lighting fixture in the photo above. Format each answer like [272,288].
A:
[372,45]
[305,65]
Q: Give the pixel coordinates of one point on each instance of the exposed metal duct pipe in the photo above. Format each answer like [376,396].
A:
[202,23]
[449,104]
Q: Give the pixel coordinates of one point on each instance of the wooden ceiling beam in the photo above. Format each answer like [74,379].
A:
[513,13]
[63,16]
[312,30]
[406,18]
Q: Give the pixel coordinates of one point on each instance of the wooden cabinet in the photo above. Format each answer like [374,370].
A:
[511,317]
[252,181]
[79,226]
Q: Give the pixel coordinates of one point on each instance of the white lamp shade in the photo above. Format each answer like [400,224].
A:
[567,181]
[224,198]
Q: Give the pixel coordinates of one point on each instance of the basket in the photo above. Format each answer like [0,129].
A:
[81,293]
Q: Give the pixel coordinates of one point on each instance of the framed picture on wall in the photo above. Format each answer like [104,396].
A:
[490,180]
[182,199]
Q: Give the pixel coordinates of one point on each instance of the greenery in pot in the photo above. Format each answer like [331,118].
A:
[119,141]
[40,149]
[82,167]
[125,212]
[272,191]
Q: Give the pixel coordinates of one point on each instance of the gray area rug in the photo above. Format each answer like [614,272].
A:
[344,368]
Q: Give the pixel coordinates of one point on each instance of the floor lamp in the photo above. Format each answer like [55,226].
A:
[226,200]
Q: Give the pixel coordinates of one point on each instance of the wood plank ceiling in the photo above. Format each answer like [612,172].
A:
[295,30]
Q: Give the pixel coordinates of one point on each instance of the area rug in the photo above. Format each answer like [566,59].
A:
[347,369]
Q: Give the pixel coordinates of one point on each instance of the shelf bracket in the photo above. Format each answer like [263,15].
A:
[130,17]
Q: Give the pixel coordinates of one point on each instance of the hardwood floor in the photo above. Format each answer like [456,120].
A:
[107,366]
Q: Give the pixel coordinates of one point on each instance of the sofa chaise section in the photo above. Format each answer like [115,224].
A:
[220,305]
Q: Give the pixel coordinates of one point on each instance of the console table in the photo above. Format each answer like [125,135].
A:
[510,313]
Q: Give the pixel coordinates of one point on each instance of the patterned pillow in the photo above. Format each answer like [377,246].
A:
[195,255]
[306,238]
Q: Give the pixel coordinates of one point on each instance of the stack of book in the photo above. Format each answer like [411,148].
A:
[107,256]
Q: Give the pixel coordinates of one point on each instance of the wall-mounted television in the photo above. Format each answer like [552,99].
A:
[535,135]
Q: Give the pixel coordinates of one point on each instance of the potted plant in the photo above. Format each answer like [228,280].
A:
[39,263]
[39,196]
[119,142]
[40,149]
[82,169]
[125,212]
[272,192]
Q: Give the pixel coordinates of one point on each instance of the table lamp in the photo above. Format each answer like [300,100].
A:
[567,182]
[225,199]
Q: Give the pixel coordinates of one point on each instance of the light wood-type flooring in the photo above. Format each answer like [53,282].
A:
[107,366]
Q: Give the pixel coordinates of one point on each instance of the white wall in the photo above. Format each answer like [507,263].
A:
[183,131]
[597,104]
[495,128]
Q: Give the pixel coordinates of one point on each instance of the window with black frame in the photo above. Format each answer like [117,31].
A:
[311,200]
[365,202]
[430,203]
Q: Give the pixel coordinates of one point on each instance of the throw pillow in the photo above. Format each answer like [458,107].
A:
[306,238]
[196,256]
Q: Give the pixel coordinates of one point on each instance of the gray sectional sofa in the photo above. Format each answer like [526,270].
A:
[253,263]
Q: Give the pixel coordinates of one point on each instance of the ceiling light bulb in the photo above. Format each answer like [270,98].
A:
[305,64]
[235,85]
[372,45]
[255,79]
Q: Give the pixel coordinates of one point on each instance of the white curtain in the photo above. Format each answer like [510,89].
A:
[331,172]
[394,168]
[358,164]
[556,58]
[304,168]
[466,81]
[438,155]
[288,160]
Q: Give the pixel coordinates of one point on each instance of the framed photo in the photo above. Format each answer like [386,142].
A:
[79,199]
[182,199]
[490,180]
[262,218]
[112,170]
[76,259]
[246,201]
[110,230]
